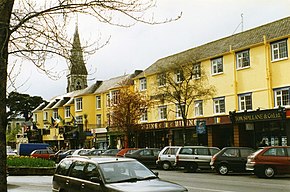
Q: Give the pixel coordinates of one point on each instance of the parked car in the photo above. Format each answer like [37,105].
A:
[64,155]
[231,159]
[147,156]
[270,161]
[93,174]
[94,152]
[110,152]
[166,157]
[124,151]
[79,152]
[43,153]
[193,158]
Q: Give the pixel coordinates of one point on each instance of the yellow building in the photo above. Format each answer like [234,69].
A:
[249,72]
[250,104]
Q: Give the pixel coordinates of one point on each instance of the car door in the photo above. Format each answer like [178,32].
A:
[202,157]
[92,179]
[232,157]
[76,177]
[146,157]
[277,156]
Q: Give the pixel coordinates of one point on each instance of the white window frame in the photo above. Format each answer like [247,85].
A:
[196,71]
[279,50]
[161,79]
[162,112]
[217,66]
[243,59]
[35,117]
[45,116]
[108,100]
[144,116]
[115,97]
[99,120]
[245,102]
[55,114]
[219,106]
[143,84]
[98,102]
[179,76]
[198,108]
[282,97]
[79,104]
[67,112]
[79,119]
[178,110]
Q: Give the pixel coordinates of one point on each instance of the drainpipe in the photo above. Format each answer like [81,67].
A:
[268,74]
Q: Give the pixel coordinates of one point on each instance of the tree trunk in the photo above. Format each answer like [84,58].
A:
[5,12]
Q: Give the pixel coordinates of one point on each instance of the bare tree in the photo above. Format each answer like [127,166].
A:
[35,30]
[126,112]
[181,82]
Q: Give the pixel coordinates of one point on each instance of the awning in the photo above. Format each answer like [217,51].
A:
[99,130]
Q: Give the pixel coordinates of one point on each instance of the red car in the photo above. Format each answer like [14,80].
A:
[270,161]
[122,152]
[43,153]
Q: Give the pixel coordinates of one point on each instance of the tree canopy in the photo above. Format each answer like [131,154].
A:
[36,31]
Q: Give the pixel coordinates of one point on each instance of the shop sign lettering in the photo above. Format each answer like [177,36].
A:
[239,118]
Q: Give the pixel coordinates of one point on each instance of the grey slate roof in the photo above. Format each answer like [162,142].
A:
[243,40]
[111,84]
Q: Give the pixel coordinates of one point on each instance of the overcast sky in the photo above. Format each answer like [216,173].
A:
[140,46]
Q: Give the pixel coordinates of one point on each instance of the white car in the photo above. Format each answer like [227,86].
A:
[166,157]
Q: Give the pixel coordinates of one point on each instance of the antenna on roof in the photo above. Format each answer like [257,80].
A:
[240,24]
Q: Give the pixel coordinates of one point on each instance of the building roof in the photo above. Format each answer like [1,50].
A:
[271,31]
[111,84]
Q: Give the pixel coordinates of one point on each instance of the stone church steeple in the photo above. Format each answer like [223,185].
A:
[77,77]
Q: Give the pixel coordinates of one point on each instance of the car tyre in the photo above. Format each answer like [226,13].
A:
[269,172]
[191,168]
[166,165]
[223,169]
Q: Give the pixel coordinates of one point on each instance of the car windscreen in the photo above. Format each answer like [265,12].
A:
[125,171]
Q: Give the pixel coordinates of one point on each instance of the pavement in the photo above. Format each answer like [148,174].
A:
[29,183]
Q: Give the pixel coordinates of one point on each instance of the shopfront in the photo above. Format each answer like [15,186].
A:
[270,126]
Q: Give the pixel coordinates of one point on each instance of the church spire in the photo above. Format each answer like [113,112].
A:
[77,77]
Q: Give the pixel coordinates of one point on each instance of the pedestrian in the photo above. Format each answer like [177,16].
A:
[263,143]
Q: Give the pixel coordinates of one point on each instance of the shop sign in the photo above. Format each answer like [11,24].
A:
[200,127]
[257,116]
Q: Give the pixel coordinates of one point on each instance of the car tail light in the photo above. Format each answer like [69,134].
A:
[177,158]
[213,158]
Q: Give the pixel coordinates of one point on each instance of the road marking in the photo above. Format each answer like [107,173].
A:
[206,189]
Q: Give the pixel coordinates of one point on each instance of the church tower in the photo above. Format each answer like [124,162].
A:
[77,77]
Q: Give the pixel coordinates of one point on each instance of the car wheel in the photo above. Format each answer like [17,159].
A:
[166,165]
[269,172]
[191,167]
[223,169]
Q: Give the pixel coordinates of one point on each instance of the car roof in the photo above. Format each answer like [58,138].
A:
[102,159]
